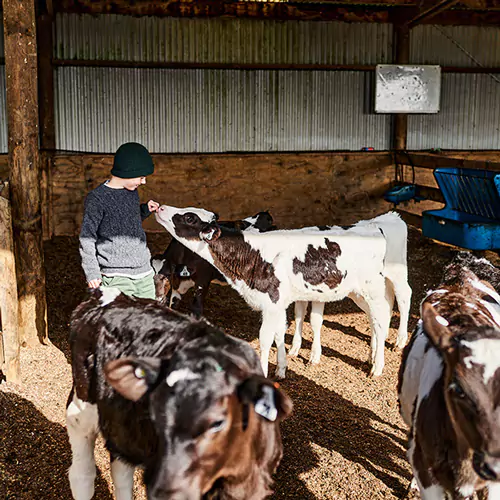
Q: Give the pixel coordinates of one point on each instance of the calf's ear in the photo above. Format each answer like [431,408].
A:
[269,401]
[436,327]
[210,232]
[132,377]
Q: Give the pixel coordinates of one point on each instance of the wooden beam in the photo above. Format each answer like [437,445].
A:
[427,160]
[226,8]
[9,328]
[46,81]
[401,56]
[24,161]
[46,112]
[429,9]
[101,63]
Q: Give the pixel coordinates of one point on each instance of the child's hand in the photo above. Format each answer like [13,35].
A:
[153,206]
[95,283]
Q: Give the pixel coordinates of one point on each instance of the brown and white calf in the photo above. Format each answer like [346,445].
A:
[172,394]
[449,385]
[272,270]
[395,271]
[182,269]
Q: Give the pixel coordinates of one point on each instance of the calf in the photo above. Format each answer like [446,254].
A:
[173,394]
[449,385]
[396,277]
[185,269]
[272,270]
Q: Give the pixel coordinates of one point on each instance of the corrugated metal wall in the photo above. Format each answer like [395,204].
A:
[261,110]
[469,116]
[172,110]
[431,44]
[470,103]
[218,110]
[220,40]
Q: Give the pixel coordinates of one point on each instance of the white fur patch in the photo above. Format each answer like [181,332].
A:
[442,321]
[430,374]
[251,220]
[183,374]
[486,353]
[108,295]
[486,289]
[157,265]
[467,490]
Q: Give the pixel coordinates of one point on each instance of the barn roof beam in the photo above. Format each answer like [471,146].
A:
[429,9]
[378,11]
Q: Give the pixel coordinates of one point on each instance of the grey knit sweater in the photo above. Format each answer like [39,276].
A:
[112,239]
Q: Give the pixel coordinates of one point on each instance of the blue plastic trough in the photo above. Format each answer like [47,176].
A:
[471,217]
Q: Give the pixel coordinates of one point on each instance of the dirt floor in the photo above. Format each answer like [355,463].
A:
[345,439]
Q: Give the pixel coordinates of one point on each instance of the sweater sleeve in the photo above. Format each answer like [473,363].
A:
[145,212]
[92,216]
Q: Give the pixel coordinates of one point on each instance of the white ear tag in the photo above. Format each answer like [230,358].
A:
[265,405]
[139,372]
[185,272]
[208,236]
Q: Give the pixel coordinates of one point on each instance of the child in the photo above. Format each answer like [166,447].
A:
[112,240]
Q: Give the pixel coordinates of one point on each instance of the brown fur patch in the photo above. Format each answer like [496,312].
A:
[314,267]
[235,258]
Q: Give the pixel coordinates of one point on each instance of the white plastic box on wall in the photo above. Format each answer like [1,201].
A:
[405,88]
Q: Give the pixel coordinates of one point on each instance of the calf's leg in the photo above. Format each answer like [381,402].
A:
[123,479]
[82,424]
[300,312]
[403,296]
[273,328]
[380,315]
[317,310]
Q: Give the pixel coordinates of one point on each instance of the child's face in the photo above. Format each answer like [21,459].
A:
[133,184]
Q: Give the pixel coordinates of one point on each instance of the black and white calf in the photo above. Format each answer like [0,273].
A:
[184,269]
[449,385]
[395,271]
[174,395]
[272,270]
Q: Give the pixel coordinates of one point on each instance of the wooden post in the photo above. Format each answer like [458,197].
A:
[9,332]
[402,56]
[24,162]
[47,118]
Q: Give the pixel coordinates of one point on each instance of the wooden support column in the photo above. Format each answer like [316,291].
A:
[401,56]
[47,117]
[24,162]
[9,331]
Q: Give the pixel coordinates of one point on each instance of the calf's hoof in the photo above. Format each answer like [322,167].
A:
[280,373]
[400,342]
[315,357]
[376,371]
[294,350]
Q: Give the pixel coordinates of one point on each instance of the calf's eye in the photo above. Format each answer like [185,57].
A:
[456,389]
[216,426]
[190,218]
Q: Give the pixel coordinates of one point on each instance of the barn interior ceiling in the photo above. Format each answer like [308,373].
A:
[402,12]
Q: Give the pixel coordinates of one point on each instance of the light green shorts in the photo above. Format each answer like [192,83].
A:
[143,288]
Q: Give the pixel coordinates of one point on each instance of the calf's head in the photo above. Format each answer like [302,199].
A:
[263,222]
[471,387]
[193,227]
[215,423]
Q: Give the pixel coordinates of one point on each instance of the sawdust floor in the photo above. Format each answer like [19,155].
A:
[345,439]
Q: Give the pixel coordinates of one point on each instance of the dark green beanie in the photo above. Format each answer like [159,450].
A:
[132,160]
